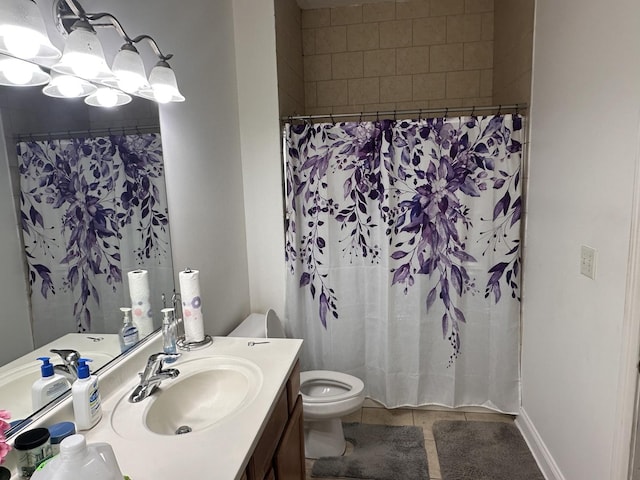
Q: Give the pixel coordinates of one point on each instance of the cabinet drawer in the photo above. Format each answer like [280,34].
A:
[262,458]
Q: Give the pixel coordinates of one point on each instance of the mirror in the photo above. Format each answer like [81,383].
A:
[72,302]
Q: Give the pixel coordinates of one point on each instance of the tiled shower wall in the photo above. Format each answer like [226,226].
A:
[289,57]
[398,55]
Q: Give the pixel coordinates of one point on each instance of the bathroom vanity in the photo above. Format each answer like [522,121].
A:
[239,403]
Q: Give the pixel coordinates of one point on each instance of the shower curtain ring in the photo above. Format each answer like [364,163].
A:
[499,110]
[446,112]
[360,121]
[473,111]
[419,114]
[395,115]
[331,117]
[377,116]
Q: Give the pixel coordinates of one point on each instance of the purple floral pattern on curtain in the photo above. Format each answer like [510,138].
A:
[412,184]
[95,188]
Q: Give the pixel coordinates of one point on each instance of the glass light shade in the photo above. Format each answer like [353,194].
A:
[67,86]
[23,33]
[107,97]
[18,73]
[164,88]
[83,56]
[128,69]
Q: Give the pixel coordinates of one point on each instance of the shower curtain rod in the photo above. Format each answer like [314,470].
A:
[91,132]
[499,108]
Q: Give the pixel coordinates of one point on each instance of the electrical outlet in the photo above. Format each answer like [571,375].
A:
[588,261]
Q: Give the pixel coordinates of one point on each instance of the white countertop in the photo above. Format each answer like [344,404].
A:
[219,452]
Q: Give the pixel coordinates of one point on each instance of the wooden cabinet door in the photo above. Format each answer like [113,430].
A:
[289,458]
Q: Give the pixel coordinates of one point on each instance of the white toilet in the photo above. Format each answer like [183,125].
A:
[326,396]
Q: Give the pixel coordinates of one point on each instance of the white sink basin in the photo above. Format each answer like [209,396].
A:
[208,391]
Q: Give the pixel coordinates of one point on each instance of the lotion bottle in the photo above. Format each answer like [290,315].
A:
[87,408]
[129,332]
[50,386]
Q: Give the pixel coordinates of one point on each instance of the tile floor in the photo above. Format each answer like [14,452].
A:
[372,412]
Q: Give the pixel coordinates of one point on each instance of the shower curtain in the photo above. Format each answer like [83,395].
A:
[91,210]
[403,248]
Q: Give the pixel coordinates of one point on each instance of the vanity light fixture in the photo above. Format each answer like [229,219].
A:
[18,73]
[81,70]
[68,86]
[23,33]
[107,97]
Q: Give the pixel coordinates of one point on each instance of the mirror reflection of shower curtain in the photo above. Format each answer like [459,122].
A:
[91,210]
[403,245]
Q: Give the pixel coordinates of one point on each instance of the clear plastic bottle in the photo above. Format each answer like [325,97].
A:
[49,387]
[128,332]
[87,408]
[79,461]
[169,333]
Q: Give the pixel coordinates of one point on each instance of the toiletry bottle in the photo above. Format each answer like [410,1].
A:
[50,386]
[87,408]
[128,332]
[169,334]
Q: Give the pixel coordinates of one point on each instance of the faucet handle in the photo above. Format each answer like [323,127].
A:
[68,356]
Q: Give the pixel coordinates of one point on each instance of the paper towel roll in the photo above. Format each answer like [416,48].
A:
[191,305]
[140,304]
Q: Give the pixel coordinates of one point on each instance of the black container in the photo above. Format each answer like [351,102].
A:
[32,447]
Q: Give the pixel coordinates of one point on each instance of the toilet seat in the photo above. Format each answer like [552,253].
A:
[327,394]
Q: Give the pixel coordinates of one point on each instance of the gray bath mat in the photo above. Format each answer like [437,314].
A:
[483,451]
[380,452]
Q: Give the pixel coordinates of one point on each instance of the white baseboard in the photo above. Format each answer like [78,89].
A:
[539,450]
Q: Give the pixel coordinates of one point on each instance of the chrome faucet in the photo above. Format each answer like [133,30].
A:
[154,373]
[69,368]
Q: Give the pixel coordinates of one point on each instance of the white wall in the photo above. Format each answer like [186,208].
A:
[584,137]
[15,326]
[261,160]
[201,145]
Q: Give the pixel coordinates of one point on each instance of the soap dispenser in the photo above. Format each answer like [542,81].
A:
[87,408]
[169,333]
[50,386]
[128,332]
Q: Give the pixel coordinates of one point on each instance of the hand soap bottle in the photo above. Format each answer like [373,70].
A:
[128,332]
[169,333]
[50,386]
[87,408]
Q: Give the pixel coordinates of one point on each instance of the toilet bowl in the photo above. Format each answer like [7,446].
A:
[327,396]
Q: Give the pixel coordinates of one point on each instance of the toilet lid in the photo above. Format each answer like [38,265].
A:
[339,386]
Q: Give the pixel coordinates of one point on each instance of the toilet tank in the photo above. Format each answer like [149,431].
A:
[260,325]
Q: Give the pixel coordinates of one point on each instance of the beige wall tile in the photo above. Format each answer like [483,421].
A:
[412,9]
[429,31]
[318,110]
[463,84]
[331,39]
[413,105]
[412,60]
[446,7]
[398,88]
[378,63]
[486,83]
[477,102]
[445,103]
[429,86]
[364,90]
[446,58]
[364,36]
[475,6]
[310,99]
[464,28]
[346,15]
[320,17]
[332,93]
[396,33]
[317,67]
[478,55]
[377,12]
[380,107]
[308,41]
[346,65]
[487,26]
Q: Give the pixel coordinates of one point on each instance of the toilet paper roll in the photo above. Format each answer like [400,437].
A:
[141,313]
[191,305]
